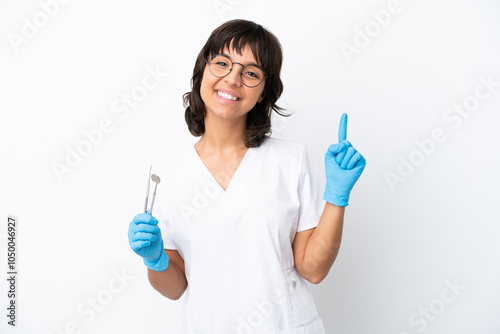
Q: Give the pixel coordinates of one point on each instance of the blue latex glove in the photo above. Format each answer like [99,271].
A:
[144,237]
[343,166]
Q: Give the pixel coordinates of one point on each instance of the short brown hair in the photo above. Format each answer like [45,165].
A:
[266,48]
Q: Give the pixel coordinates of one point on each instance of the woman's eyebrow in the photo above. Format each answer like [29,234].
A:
[252,63]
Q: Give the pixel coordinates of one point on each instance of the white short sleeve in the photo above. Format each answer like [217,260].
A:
[160,212]
[310,193]
[168,242]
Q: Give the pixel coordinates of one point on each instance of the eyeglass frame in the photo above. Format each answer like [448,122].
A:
[232,65]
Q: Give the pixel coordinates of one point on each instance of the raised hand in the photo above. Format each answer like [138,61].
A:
[343,167]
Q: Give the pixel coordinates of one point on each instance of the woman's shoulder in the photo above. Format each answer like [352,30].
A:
[282,146]
[177,160]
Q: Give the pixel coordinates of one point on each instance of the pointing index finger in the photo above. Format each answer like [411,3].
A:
[343,127]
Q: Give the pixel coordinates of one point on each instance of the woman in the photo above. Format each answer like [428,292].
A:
[242,222]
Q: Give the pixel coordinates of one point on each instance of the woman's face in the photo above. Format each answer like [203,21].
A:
[241,98]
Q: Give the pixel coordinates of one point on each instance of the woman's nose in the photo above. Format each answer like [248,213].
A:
[234,77]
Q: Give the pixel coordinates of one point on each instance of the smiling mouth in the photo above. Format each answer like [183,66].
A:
[227,96]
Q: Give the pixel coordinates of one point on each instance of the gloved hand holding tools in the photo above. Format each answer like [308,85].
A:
[144,235]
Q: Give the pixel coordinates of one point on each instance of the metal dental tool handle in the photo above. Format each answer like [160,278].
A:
[156,179]
[147,191]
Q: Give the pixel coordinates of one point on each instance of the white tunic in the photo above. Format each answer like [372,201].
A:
[237,244]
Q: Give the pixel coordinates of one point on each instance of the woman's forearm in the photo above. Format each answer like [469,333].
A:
[324,243]
[171,282]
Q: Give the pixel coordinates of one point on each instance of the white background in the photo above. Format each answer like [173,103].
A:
[400,245]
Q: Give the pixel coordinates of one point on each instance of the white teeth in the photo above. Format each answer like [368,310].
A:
[226,96]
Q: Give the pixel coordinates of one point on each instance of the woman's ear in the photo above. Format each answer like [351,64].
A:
[261,97]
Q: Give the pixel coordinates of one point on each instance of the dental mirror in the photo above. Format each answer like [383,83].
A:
[156,180]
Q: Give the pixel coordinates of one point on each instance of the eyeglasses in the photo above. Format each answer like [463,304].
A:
[251,75]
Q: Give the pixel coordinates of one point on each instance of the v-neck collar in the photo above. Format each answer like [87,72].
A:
[234,179]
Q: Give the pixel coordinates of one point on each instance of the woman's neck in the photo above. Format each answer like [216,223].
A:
[223,135]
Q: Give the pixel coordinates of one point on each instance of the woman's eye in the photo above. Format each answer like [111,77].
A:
[220,63]
[251,74]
